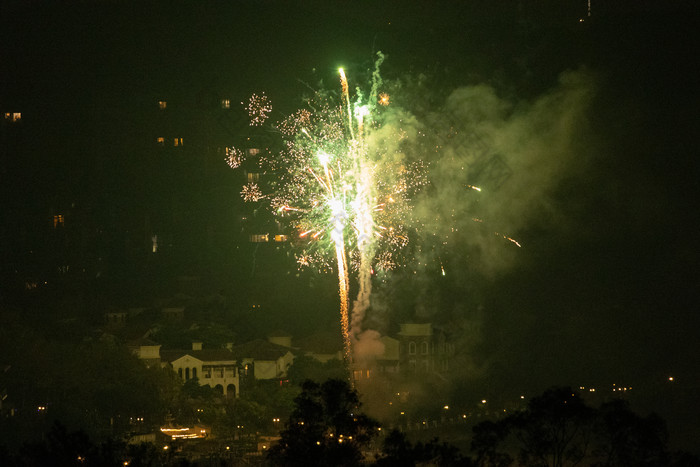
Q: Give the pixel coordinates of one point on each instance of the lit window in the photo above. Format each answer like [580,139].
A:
[160,140]
[58,220]
[7,115]
[162,105]
[253,177]
[259,238]
[177,142]
[16,116]
[225,104]
[280,238]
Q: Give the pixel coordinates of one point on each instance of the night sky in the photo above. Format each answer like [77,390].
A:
[596,119]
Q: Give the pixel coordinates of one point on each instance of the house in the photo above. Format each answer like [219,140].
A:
[280,338]
[322,346]
[116,318]
[415,347]
[216,368]
[423,348]
[146,350]
[266,359]
[388,361]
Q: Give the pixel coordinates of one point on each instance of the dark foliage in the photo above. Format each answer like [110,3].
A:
[399,452]
[325,428]
[558,429]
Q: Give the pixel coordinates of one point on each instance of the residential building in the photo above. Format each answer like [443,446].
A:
[216,368]
[265,359]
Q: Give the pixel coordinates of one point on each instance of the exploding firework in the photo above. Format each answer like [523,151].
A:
[234,157]
[259,109]
[343,187]
[251,192]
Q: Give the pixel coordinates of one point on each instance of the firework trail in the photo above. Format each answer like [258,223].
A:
[341,189]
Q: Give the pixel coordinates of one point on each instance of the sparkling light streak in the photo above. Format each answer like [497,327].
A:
[346,197]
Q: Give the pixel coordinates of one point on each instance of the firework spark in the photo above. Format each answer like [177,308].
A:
[251,193]
[259,108]
[346,193]
[234,157]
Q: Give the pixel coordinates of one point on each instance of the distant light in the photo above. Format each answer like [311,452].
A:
[447,407]
[670,378]
[483,401]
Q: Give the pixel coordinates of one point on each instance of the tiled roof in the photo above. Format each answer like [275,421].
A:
[142,341]
[204,355]
[260,349]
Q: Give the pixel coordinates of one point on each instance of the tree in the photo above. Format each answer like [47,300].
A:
[558,429]
[554,430]
[308,368]
[626,439]
[399,452]
[325,428]
[486,441]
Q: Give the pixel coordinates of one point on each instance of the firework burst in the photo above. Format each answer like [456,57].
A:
[343,187]
[251,193]
[234,157]
[259,108]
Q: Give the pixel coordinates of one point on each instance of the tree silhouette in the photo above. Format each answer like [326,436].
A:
[399,452]
[558,429]
[554,430]
[626,439]
[325,428]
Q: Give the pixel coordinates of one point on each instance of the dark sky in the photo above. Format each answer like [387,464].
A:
[606,283]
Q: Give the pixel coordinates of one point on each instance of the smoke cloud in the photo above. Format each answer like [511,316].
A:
[493,166]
